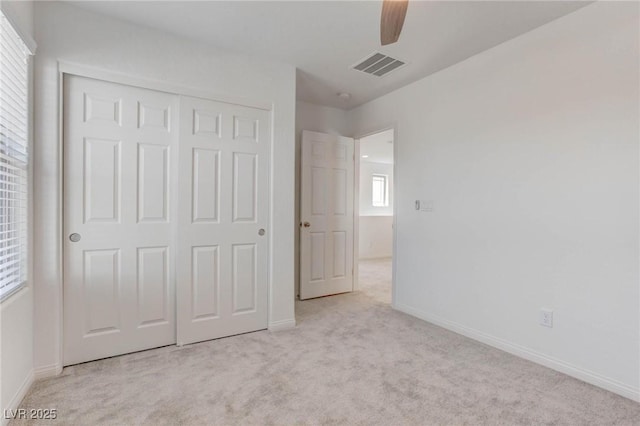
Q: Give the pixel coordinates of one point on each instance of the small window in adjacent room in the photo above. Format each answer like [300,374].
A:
[380,191]
[14,158]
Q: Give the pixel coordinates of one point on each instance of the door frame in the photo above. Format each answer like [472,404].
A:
[71,69]
[356,209]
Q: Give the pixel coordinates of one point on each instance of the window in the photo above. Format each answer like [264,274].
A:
[380,191]
[14,157]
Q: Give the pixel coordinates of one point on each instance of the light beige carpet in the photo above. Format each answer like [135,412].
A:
[375,279]
[351,360]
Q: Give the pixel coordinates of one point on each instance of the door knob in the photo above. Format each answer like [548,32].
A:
[261,232]
[74,237]
[307,224]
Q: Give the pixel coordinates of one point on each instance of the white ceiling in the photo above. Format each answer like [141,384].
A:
[378,148]
[324,38]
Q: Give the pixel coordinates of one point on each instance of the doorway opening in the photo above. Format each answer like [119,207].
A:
[375,215]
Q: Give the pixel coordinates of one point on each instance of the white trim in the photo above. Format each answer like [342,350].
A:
[526,353]
[65,67]
[282,325]
[377,257]
[8,298]
[394,223]
[47,371]
[15,402]
[356,214]
[272,219]
[60,224]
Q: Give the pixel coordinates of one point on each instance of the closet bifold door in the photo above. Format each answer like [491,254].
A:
[222,237]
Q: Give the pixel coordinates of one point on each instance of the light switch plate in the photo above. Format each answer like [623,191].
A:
[427,205]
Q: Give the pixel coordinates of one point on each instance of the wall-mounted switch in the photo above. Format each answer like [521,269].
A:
[424,205]
[427,206]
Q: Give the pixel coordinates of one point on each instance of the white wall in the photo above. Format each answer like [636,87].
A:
[16,312]
[20,12]
[16,350]
[367,170]
[70,34]
[318,118]
[314,118]
[375,239]
[375,232]
[530,152]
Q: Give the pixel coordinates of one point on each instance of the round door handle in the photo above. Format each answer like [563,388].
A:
[261,232]
[75,237]
[307,225]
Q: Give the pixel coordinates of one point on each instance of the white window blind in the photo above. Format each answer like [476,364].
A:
[379,191]
[14,158]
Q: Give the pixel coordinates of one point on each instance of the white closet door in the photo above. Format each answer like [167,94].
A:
[119,162]
[223,238]
[326,212]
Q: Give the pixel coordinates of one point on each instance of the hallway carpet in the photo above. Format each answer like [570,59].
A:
[351,360]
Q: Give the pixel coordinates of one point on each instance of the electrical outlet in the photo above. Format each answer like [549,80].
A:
[546,317]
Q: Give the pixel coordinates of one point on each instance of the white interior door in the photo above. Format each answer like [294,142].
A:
[223,237]
[119,159]
[326,233]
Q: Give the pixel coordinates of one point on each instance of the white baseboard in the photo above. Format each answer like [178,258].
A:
[386,257]
[528,354]
[46,371]
[14,403]
[282,325]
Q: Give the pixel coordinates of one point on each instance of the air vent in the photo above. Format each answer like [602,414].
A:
[378,64]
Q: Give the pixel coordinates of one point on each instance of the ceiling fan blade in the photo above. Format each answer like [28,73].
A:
[392,19]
